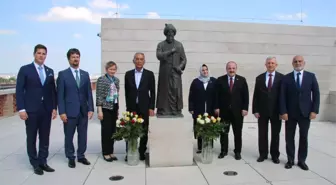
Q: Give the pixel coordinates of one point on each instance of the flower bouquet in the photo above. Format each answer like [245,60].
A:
[129,128]
[209,129]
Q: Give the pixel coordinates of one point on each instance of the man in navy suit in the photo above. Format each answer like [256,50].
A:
[75,106]
[299,104]
[37,104]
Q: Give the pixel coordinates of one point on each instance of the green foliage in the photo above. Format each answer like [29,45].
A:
[210,127]
[129,127]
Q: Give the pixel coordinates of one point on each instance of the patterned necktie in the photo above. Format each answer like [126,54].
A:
[231,84]
[269,82]
[41,75]
[77,78]
[298,80]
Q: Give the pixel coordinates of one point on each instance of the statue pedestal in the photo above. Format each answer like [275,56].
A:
[170,142]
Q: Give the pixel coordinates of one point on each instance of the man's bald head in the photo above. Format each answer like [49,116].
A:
[298,63]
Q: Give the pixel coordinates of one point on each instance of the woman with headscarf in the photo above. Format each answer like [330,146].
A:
[201,98]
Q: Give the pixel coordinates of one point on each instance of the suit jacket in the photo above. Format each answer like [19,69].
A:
[145,92]
[200,97]
[30,92]
[73,100]
[299,101]
[234,101]
[267,103]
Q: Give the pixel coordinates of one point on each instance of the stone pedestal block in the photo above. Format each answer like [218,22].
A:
[170,142]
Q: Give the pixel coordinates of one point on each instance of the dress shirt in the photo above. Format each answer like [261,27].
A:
[74,73]
[267,77]
[233,78]
[295,75]
[38,71]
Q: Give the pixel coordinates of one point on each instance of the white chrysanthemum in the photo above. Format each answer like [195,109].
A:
[206,114]
[198,120]
[207,120]
[118,123]
[201,122]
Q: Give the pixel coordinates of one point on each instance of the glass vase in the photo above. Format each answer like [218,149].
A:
[132,152]
[207,151]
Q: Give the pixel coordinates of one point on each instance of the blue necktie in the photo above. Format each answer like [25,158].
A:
[41,75]
[298,80]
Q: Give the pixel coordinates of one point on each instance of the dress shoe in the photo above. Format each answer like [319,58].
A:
[237,156]
[84,161]
[108,159]
[199,151]
[71,163]
[114,158]
[126,158]
[303,166]
[261,159]
[222,155]
[289,164]
[142,157]
[47,168]
[38,171]
[276,160]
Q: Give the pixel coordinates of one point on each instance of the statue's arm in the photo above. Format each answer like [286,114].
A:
[152,91]
[183,58]
[160,54]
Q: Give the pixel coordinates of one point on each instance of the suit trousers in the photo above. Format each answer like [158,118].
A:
[38,122]
[144,139]
[263,136]
[108,128]
[80,123]
[237,125]
[304,124]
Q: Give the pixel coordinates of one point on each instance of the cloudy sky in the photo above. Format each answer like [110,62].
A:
[63,24]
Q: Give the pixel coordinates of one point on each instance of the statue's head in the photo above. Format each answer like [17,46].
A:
[169,31]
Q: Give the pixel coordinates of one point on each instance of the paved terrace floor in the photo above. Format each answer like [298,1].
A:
[15,168]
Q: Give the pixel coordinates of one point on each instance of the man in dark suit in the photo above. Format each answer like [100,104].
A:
[299,104]
[266,108]
[75,106]
[36,102]
[140,96]
[232,104]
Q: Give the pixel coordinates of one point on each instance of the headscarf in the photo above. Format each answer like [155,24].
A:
[203,78]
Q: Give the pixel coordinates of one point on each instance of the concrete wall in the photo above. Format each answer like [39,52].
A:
[215,43]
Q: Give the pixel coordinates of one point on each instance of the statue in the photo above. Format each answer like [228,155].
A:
[171,55]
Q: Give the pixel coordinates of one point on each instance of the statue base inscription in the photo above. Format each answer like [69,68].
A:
[170,142]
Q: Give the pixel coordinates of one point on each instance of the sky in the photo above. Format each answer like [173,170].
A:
[65,24]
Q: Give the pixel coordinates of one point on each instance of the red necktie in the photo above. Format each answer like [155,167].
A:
[270,82]
[231,84]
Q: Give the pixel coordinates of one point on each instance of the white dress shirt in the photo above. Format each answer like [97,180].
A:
[267,77]
[38,71]
[295,76]
[233,78]
[137,75]
[74,73]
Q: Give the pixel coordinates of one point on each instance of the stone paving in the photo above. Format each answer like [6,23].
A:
[16,170]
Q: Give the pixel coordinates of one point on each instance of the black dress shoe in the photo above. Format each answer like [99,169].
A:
[71,163]
[275,160]
[289,164]
[303,166]
[84,161]
[237,156]
[38,171]
[108,159]
[114,158]
[222,155]
[46,168]
[142,157]
[199,151]
[126,158]
[261,159]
